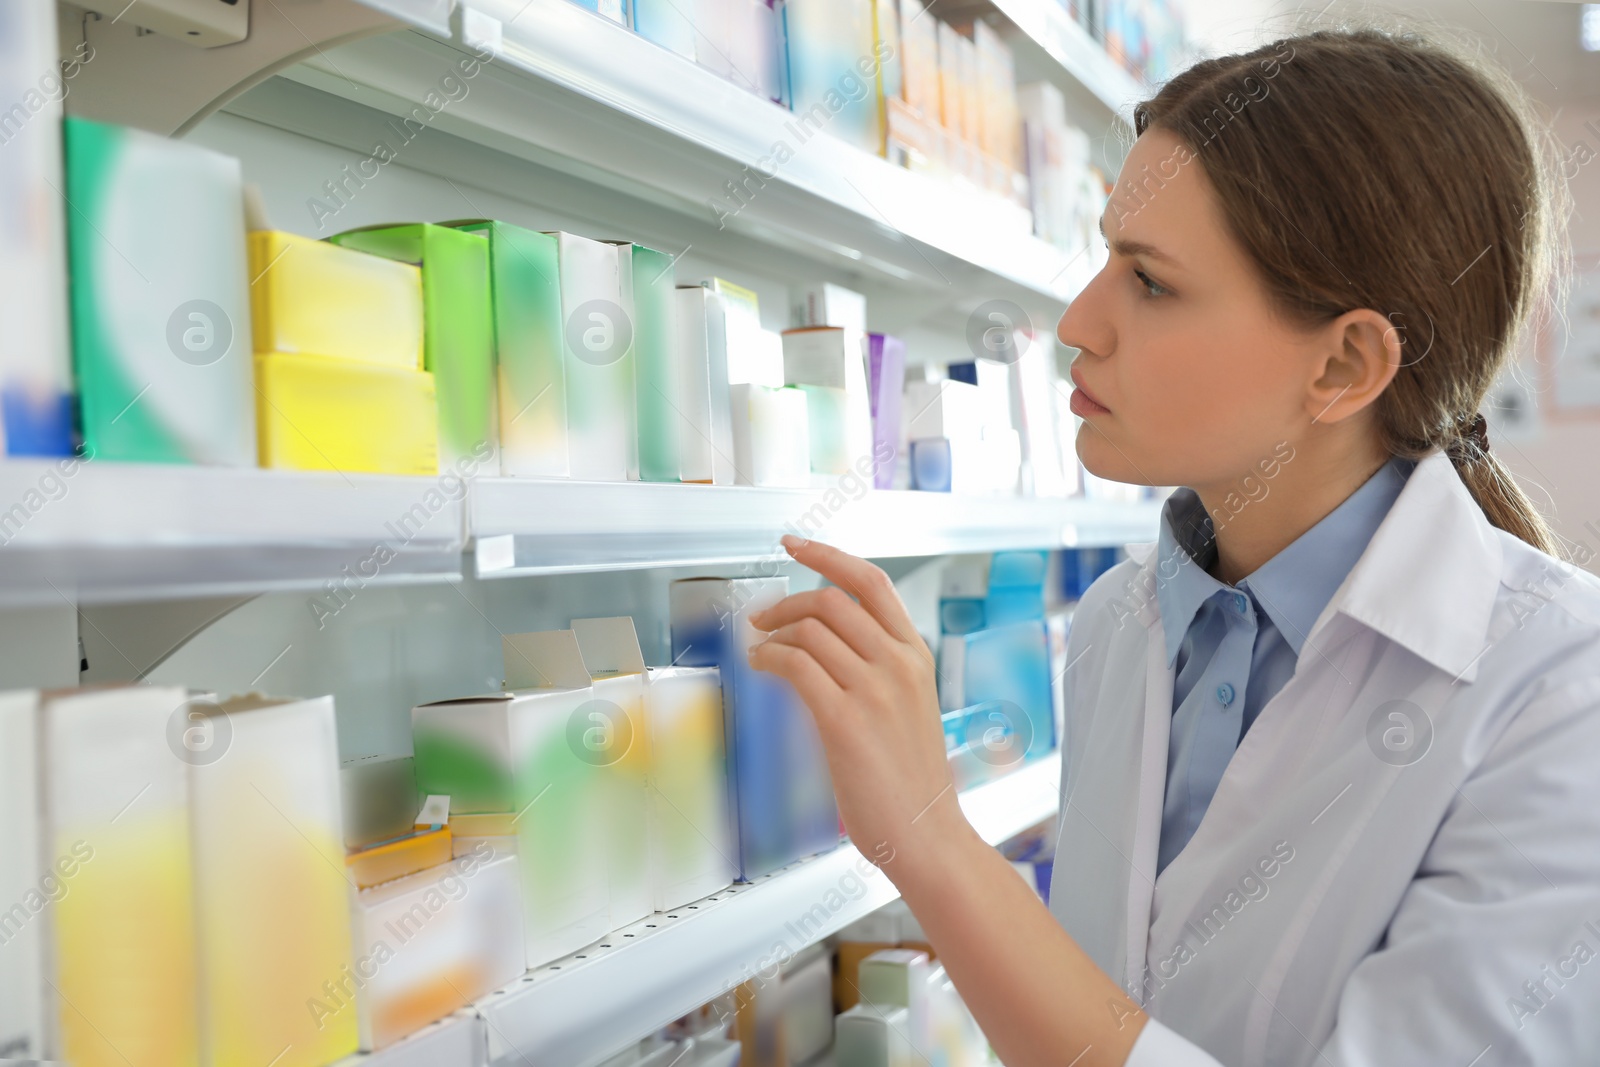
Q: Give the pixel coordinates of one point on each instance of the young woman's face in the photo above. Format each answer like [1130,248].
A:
[1184,376]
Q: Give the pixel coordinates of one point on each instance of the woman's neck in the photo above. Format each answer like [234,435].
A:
[1306,488]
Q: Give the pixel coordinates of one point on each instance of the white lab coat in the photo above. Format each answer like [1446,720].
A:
[1401,864]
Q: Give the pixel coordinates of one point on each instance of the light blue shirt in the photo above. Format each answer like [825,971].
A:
[1232,647]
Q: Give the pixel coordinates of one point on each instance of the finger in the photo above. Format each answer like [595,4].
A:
[867,583]
[796,666]
[834,607]
[843,664]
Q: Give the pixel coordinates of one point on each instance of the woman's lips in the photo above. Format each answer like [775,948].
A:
[1083,402]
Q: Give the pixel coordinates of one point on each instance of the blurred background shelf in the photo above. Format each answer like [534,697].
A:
[591,1005]
[527,527]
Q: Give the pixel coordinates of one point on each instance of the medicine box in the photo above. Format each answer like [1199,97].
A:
[705,427]
[659,380]
[122,987]
[771,436]
[429,944]
[311,297]
[27,889]
[613,736]
[320,413]
[598,330]
[378,797]
[415,850]
[946,409]
[832,69]
[524,286]
[273,918]
[867,1036]
[778,775]
[1009,665]
[36,401]
[665,23]
[161,319]
[831,357]
[458,332]
[522,752]
[886,375]
[755,356]
[692,844]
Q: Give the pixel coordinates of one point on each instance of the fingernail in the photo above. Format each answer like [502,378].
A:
[756,617]
[793,544]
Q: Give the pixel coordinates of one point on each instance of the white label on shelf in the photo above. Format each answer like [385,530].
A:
[497,553]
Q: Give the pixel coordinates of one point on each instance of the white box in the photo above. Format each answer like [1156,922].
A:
[755,356]
[693,852]
[771,436]
[597,329]
[120,951]
[833,357]
[706,441]
[615,737]
[25,890]
[274,921]
[943,409]
[512,753]
[36,386]
[430,943]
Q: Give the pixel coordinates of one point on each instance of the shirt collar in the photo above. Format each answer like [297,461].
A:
[1427,579]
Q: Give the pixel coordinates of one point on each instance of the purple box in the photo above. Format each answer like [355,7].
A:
[886,380]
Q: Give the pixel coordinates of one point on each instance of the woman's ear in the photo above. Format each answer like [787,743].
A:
[1357,356]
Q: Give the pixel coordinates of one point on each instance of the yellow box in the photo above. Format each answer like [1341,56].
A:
[388,860]
[316,413]
[315,298]
[491,824]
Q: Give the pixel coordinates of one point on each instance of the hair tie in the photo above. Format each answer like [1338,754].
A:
[1475,430]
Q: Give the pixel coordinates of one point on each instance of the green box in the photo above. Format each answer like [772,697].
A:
[458,346]
[160,298]
[525,299]
[659,380]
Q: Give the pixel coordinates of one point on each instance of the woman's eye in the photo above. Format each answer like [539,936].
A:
[1151,287]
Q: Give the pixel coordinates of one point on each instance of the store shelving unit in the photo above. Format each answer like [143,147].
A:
[592,1004]
[571,105]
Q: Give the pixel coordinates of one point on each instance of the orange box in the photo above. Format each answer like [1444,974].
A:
[399,856]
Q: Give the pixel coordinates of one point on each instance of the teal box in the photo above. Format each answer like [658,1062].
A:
[1008,665]
[833,69]
[161,340]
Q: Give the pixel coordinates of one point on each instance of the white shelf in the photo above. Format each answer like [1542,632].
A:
[128,531]
[123,532]
[529,527]
[591,1005]
[578,93]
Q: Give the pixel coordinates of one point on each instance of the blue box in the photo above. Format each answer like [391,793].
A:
[1009,665]
[778,781]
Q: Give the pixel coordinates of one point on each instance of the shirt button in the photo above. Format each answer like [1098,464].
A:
[1225,694]
[1240,603]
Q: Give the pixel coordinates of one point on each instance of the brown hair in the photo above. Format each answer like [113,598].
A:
[1375,169]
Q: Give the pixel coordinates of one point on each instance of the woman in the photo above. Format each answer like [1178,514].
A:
[1330,750]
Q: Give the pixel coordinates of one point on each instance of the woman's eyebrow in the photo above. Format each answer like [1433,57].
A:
[1124,247]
